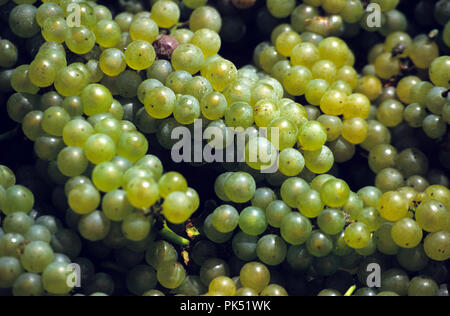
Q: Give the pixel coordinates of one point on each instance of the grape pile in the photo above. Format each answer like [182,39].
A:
[324,147]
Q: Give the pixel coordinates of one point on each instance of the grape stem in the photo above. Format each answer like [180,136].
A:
[171,236]
[350,291]
[9,134]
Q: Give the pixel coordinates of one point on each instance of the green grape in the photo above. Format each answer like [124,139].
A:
[205,17]
[39,233]
[422,286]
[219,186]
[21,82]
[386,66]
[263,197]
[312,136]
[415,115]
[141,279]
[389,179]
[319,161]
[333,126]
[296,80]
[291,189]
[10,245]
[271,250]
[48,147]
[28,284]
[436,246]
[31,125]
[439,193]
[80,40]
[432,215]
[393,206]
[407,233]
[198,87]
[77,132]
[107,177]
[176,207]
[99,148]
[238,91]
[371,218]
[140,55]
[9,54]
[107,33]
[54,120]
[300,14]
[220,72]
[112,62]
[319,244]
[36,256]
[22,20]
[171,275]
[194,4]
[355,130]
[42,72]
[331,221]
[159,253]
[423,51]
[144,29]
[333,102]
[436,100]
[370,196]
[84,199]
[354,205]
[172,182]
[213,234]
[222,286]
[132,146]
[335,193]
[385,242]
[54,278]
[295,228]
[70,81]
[94,226]
[291,162]
[188,57]
[240,187]
[72,161]
[287,133]
[325,70]
[434,126]
[252,221]
[254,275]
[160,70]
[10,270]
[142,192]
[315,90]
[208,41]
[115,205]
[17,199]
[275,212]
[286,42]
[183,36]
[370,86]
[186,109]
[213,105]
[309,203]
[265,112]
[165,13]
[260,154]
[136,226]
[281,9]
[414,259]
[19,105]
[160,102]
[357,235]
[18,223]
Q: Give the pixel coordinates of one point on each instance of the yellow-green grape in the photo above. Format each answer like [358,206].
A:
[136,227]
[189,58]
[84,199]
[125,40]
[262,91]
[294,112]
[172,182]
[381,157]
[133,173]
[348,74]
[132,146]
[222,286]
[183,36]
[333,102]
[387,66]
[264,112]
[21,82]
[84,70]
[371,217]
[31,125]
[281,28]
[319,161]
[186,110]
[208,41]
[88,17]
[54,278]
[238,91]
[102,12]
[260,153]
[205,17]
[77,132]
[80,40]
[70,81]
[115,205]
[213,105]
[397,39]
[355,130]
[333,126]
[342,150]
[171,275]
[255,275]
[220,73]
[107,33]
[324,69]
[335,50]
[309,203]
[291,162]
[142,192]
[72,162]
[407,233]
[239,114]
[95,70]
[54,120]
[423,51]
[112,62]
[54,29]
[96,99]
[440,71]
[312,136]
[176,207]
[432,216]
[335,193]
[276,86]
[315,90]
[390,113]
[240,187]
[357,105]
[140,55]
[439,193]
[305,54]
[160,102]
[198,87]
[194,198]
[117,110]
[393,206]
[436,246]
[296,80]
[107,177]
[94,226]
[341,86]
[99,148]
[124,20]
[280,68]
[145,87]
[286,42]
[357,236]
[269,57]
[282,133]
[404,88]
[370,86]
[165,13]
[144,29]
[48,10]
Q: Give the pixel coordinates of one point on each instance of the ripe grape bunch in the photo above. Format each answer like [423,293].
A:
[348,100]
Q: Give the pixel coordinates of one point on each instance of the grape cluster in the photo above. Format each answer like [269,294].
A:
[99,97]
